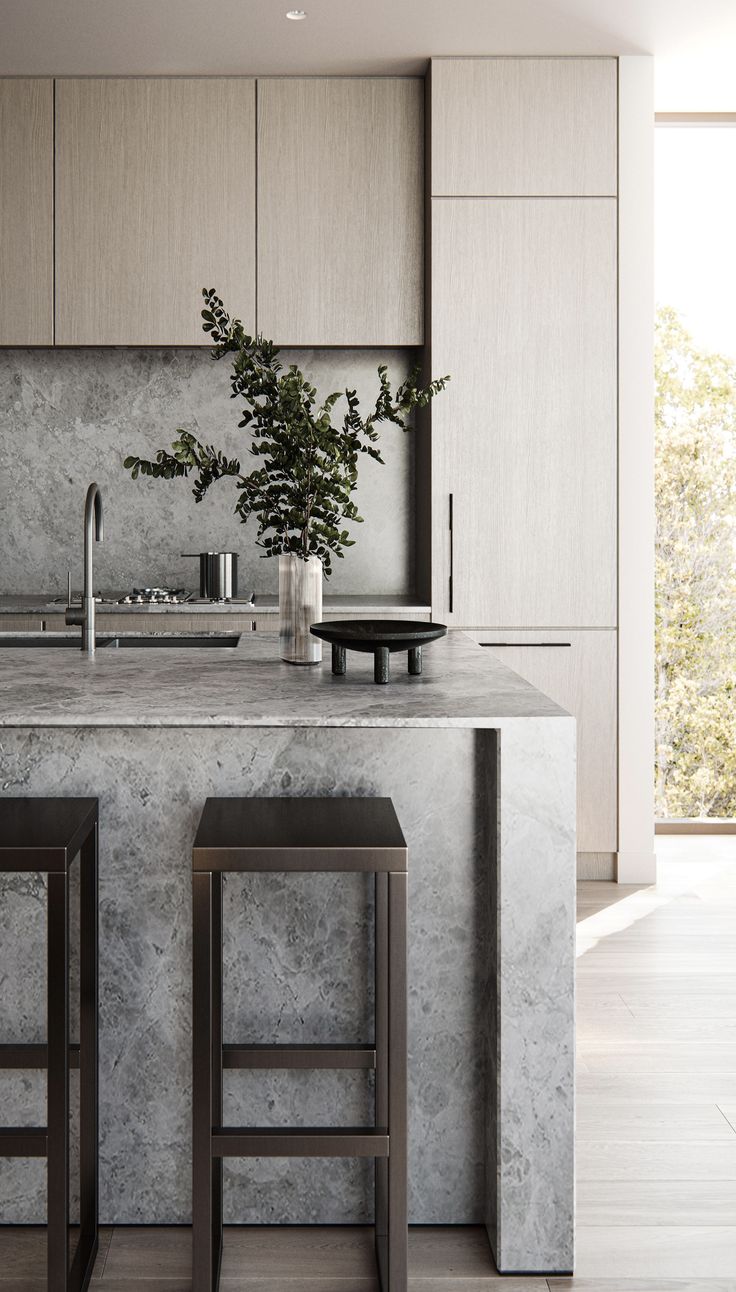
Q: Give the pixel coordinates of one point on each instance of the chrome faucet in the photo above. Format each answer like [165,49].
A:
[84,615]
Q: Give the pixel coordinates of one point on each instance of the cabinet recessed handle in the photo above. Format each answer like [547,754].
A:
[452,550]
[535,644]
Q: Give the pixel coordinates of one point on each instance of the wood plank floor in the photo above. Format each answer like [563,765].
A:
[656,1198]
[656,1125]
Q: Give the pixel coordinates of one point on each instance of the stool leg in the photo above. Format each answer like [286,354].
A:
[57,1097]
[381,1087]
[391,1098]
[398,1220]
[217,1163]
[88,1052]
[206,1241]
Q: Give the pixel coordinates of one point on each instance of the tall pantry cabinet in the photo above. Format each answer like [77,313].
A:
[523,270]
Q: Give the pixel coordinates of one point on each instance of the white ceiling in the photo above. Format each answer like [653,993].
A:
[694,41]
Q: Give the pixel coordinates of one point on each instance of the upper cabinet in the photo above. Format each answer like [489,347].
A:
[155,199]
[522,127]
[26,211]
[340,211]
[135,193]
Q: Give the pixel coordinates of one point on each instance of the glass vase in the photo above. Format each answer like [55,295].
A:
[300,605]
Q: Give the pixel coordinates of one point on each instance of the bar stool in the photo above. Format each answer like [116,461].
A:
[45,835]
[314,835]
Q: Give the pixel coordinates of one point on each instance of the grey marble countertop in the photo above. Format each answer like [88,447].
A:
[263,604]
[249,686]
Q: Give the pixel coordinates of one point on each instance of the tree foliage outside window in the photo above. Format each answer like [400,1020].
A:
[695,576]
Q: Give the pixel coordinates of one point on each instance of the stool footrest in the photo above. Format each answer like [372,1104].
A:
[24,1141]
[308,1141]
[334,1057]
[32,1056]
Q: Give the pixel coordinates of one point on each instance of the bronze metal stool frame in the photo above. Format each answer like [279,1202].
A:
[46,835]
[308,835]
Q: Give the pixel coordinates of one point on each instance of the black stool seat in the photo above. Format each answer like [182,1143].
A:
[46,835]
[309,835]
[43,834]
[343,834]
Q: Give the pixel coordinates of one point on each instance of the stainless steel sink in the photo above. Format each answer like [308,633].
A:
[154,641]
[47,641]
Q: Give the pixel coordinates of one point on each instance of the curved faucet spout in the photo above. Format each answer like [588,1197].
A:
[93,532]
[84,615]
[93,511]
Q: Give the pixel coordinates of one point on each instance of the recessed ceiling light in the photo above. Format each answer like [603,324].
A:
[296,15]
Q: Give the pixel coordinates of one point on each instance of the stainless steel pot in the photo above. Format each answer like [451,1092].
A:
[218,575]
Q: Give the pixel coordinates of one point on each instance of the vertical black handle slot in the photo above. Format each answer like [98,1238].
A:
[452,550]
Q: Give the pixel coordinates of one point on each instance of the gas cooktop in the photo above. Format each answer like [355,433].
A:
[153,597]
[158,597]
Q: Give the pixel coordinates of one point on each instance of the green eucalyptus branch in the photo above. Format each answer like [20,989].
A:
[187,454]
[300,491]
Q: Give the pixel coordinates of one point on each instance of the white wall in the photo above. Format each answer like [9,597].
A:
[636,860]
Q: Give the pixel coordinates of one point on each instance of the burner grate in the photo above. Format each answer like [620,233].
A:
[155,596]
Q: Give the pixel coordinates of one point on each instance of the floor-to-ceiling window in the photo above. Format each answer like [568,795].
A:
[696,469]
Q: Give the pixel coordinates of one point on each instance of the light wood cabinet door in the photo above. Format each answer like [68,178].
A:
[524,439]
[340,210]
[26,211]
[578,671]
[176,622]
[21,624]
[511,127]
[155,199]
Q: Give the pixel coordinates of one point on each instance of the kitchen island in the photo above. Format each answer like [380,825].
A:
[481,769]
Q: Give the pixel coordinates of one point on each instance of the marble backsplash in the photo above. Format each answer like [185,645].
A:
[70,416]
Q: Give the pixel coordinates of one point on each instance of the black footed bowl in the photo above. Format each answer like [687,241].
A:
[379,638]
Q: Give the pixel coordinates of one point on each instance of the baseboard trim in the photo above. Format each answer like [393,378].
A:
[596,865]
[636,868]
[619,867]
